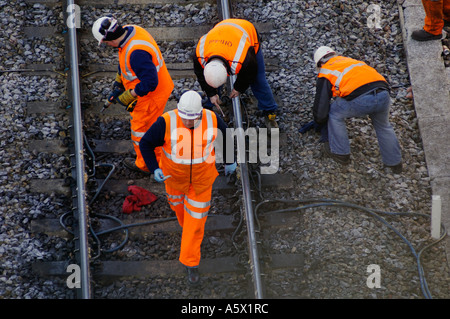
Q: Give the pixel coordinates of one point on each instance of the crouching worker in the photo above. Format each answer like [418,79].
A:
[188,168]
[359,91]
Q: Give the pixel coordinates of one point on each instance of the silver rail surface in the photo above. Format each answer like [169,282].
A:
[252,241]
[81,208]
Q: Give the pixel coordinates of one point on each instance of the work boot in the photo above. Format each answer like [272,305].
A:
[193,276]
[130,163]
[396,169]
[422,35]
[270,119]
[341,159]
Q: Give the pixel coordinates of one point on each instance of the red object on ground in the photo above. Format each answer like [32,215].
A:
[140,197]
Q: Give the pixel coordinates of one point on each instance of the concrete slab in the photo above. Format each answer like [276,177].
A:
[430,82]
[435,137]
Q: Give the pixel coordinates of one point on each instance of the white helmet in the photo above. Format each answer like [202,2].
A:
[322,52]
[215,73]
[190,105]
[98,24]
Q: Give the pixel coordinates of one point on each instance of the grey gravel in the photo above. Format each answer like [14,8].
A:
[338,244]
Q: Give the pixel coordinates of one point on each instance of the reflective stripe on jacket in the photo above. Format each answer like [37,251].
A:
[230,39]
[346,74]
[188,154]
[140,39]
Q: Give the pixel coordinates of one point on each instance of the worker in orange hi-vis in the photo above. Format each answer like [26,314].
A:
[188,137]
[437,15]
[142,84]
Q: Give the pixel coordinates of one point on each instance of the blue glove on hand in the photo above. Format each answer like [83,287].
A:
[159,176]
[112,98]
[230,169]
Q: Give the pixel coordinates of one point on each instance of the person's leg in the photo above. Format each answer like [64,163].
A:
[387,140]
[261,89]
[433,23]
[337,129]
[196,207]
[446,11]
[145,113]
[434,16]
[175,199]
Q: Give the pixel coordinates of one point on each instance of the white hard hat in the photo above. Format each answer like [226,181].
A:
[215,73]
[190,105]
[322,52]
[99,31]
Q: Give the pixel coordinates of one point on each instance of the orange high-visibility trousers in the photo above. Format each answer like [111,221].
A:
[191,210]
[146,112]
[436,11]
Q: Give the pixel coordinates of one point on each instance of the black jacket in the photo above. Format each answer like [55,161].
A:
[324,94]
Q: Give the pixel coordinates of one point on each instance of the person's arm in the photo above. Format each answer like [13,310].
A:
[153,138]
[227,143]
[321,106]
[142,64]
[247,73]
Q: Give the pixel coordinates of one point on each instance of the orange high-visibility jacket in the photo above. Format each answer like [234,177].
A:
[142,40]
[188,154]
[346,74]
[230,39]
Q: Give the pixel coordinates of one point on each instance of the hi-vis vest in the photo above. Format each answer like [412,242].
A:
[142,40]
[346,74]
[230,39]
[188,154]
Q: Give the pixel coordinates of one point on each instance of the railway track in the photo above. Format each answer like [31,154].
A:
[83,119]
[246,258]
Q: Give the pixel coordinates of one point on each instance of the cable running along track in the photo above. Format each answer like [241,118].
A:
[80,205]
[79,170]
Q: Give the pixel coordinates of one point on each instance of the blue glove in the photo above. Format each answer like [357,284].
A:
[322,128]
[230,169]
[309,126]
[159,176]
[118,89]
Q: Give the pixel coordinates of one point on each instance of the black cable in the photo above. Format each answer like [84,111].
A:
[374,213]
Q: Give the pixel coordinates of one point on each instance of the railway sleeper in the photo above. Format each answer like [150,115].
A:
[148,268]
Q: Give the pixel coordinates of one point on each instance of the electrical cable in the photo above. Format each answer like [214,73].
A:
[373,212]
[316,202]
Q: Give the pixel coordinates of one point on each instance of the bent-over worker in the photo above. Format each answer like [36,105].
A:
[143,84]
[359,91]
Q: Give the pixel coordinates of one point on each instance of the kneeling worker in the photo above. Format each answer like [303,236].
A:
[188,168]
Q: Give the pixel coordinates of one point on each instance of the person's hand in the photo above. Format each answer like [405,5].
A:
[126,98]
[159,176]
[230,168]
[215,100]
[234,94]
[117,91]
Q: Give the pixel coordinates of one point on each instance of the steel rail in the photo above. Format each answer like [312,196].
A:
[81,204]
[250,218]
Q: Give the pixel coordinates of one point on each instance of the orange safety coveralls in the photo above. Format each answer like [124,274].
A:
[151,106]
[347,74]
[230,39]
[188,156]
[436,11]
